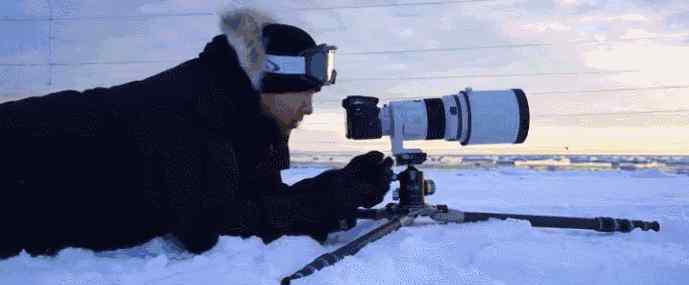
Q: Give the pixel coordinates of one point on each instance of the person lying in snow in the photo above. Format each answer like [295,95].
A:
[193,152]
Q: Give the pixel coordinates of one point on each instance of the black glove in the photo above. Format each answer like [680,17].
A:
[327,202]
[369,175]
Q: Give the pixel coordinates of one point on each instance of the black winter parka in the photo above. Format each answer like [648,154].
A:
[187,152]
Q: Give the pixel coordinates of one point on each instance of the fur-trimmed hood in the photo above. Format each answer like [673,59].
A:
[243,29]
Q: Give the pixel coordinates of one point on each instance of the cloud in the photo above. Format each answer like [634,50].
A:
[678,21]
[660,63]
[578,36]
[621,18]
[547,27]
[568,2]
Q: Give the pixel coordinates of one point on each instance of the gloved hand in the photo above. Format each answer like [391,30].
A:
[328,202]
[369,175]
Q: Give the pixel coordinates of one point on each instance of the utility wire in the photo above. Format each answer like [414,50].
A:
[666,87]
[51,39]
[499,46]
[430,3]
[507,46]
[680,111]
[486,76]
[126,62]
[341,80]
[200,14]
[432,50]
[105,17]
[529,94]
[51,43]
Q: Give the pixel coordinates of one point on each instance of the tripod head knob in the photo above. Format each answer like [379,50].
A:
[428,187]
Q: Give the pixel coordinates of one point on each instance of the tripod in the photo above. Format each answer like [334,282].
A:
[411,205]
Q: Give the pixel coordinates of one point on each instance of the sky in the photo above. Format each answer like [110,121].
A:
[600,76]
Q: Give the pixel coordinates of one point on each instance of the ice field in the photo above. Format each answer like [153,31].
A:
[493,252]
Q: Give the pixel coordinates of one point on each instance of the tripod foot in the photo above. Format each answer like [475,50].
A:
[624,225]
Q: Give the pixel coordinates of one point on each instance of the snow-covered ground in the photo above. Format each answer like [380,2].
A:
[494,252]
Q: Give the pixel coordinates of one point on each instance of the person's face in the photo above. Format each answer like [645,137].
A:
[288,108]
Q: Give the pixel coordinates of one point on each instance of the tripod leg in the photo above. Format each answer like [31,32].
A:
[350,248]
[378,214]
[445,215]
[601,224]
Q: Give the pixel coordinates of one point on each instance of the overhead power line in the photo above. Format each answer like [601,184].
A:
[452,49]
[496,75]
[665,87]
[201,14]
[77,64]
[509,46]
[602,90]
[429,3]
[51,43]
[678,111]
[497,46]
[105,17]
[528,93]
[124,62]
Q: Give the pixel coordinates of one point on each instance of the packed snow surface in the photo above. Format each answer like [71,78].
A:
[493,252]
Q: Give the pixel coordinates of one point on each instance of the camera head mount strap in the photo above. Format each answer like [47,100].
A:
[316,64]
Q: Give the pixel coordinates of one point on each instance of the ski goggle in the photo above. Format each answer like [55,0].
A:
[317,64]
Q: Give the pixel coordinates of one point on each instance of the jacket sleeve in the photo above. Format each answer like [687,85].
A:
[306,208]
[62,113]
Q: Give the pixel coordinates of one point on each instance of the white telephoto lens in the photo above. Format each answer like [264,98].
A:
[494,117]
[470,117]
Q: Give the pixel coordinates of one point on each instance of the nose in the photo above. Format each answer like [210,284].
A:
[308,106]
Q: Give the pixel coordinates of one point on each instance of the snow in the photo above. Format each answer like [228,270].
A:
[493,252]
